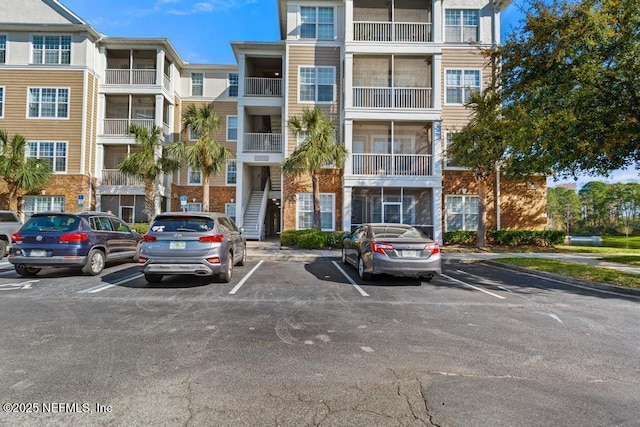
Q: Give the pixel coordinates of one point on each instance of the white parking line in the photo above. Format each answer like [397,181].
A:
[355,285]
[244,279]
[101,287]
[473,287]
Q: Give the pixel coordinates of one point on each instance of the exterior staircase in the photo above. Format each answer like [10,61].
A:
[276,185]
[252,216]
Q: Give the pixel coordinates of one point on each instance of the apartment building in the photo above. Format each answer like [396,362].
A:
[392,75]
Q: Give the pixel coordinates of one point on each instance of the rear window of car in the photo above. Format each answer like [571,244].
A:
[391,231]
[8,217]
[52,223]
[182,224]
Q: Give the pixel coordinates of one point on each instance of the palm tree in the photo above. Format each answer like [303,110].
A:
[21,174]
[318,150]
[147,163]
[206,155]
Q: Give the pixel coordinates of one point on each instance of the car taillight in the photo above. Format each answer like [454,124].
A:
[215,238]
[142,260]
[432,248]
[73,237]
[213,260]
[147,238]
[16,238]
[381,247]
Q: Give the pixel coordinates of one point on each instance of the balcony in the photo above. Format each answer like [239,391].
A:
[120,127]
[388,32]
[262,143]
[130,77]
[392,164]
[115,177]
[398,97]
[263,86]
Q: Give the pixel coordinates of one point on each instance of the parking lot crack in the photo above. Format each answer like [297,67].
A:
[423,394]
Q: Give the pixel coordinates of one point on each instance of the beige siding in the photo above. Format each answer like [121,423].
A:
[92,124]
[16,83]
[311,56]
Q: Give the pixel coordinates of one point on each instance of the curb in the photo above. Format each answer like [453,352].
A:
[560,277]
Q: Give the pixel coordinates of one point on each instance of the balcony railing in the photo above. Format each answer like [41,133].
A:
[167,83]
[263,86]
[115,177]
[398,97]
[392,164]
[262,143]
[121,126]
[130,77]
[410,32]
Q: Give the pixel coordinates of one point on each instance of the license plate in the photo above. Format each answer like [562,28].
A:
[37,252]
[409,254]
[177,245]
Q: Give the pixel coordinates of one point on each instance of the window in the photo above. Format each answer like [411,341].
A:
[232,128]
[461,213]
[233,84]
[54,152]
[461,25]
[195,176]
[231,172]
[3,49]
[304,206]
[230,210]
[449,162]
[316,23]
[460,84]
[194,207]
[197,84]
[192,135]
[1,101]
[51,49]
[35,204]
[317,84]
[48,102]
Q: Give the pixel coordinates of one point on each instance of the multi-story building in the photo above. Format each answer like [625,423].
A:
[392,75]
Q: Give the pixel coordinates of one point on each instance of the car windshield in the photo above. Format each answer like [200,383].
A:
[396,231]
[52,223]
[182,224]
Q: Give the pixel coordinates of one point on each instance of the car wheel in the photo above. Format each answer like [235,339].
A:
[225,276]
[243,261]
[344,256]
[363,274]
[3,249]
[426,278]
[26,271]
[152,278]
[95,263]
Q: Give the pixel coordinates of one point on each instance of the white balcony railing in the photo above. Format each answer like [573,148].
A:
[167,83]
[115,177]
[410,32]
[262,86]
[392,164]
[130,77]
[398,97]
[262,143]
[121,126]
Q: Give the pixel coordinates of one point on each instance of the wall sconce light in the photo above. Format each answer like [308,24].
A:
[232,200]
[464,191]
[193,200]
[43,192]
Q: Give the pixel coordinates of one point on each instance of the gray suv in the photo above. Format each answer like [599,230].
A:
[9,224]
[195,243]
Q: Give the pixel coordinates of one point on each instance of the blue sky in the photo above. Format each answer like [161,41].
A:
[201,30]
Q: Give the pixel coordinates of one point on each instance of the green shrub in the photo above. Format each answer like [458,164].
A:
[335,239]
[525,237]
[460,237]
[289,237]
[312,239]
[140,228]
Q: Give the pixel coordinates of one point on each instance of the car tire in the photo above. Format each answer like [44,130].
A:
[152,278]
[225,276]
[243,260]
[26,271]
[3,249]
[344,257]
[426,278]
[363,274]
[95,263]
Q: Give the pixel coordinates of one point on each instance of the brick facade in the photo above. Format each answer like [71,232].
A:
[218,196]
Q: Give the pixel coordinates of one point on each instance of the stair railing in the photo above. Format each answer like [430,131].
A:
[263,210]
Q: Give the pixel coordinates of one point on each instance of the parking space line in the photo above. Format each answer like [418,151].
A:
[102,287]
[244,279]
[355,285]
[472,287]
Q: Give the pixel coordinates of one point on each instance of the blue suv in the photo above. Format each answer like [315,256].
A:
[86,240]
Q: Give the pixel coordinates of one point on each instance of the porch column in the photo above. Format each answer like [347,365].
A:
[437,21]
[241,131]
[241,74]
[348,11]
[159,111]
[348,80]
[102,113]
[240,171]
[437,188]
[436,87]
[348,144]
[160,67]
[346,208]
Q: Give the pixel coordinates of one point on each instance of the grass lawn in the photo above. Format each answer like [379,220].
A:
[577,271]
[623,259]
[596,250]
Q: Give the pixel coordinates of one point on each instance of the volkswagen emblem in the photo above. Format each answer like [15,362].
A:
[39,238]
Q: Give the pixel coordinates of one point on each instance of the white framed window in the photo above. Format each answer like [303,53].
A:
[194,207]
[54,152]
[195,176]
[36,204]
[230,210]
[232,172]
[192,135]
[317,84]
[304,211]
[1,102]
[461,25]
[232,128]
[460,84]
[48,102]
[3,49]
[233,84]
[450,162]
[317,23]
[51,49]
[197,84]
[461,213]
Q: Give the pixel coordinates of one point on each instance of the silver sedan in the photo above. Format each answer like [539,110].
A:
[396,249]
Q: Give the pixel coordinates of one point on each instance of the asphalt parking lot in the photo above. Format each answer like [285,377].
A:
[309,343]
